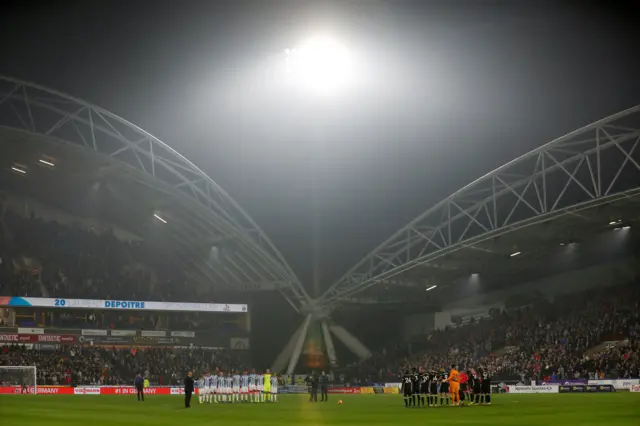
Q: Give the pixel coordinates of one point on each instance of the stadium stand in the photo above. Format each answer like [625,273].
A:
[536,342]
[46,259]
[78,365]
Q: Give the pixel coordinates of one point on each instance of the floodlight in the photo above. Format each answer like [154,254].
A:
[15,169]
[518,253]
[48,163]
[320,64]
[159,218]
[432,287]
[615,222]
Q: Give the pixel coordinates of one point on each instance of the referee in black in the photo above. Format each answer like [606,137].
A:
[188,389]
[324,387]
[139,383]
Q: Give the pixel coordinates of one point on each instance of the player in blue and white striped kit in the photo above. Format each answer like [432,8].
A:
[213,386]
[244,385]
[252,386]
[229,387]
[274,388]
[236,386]
[220,390]
[200,384]
[260,387]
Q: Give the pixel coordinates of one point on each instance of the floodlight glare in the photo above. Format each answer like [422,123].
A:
[15,169]
[48,163]
[159,218]
[320,64]
[614,222]
[432,287]
[518,253]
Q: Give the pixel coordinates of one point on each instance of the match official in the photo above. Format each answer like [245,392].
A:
[324,387]
[188,389]
[139,383]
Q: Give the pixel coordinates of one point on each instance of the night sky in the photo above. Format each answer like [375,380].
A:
[447,92]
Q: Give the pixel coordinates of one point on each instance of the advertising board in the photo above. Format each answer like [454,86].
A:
[533,389]
[37,338]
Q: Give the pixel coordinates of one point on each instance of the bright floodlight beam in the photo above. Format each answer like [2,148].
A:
[432,287]
[321,65]
[159,218]
[518,253]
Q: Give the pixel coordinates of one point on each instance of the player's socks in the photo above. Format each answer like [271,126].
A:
[422,400]
[413,400]
[488,398]
[406,402]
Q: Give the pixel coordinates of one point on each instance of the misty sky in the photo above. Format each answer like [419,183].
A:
[446,91]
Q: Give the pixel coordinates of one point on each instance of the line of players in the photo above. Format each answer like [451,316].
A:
[235,387]
[421,389]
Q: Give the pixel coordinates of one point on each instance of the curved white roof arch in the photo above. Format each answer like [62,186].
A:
[596,164]
[46,113]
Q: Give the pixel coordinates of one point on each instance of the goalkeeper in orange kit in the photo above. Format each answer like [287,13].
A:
[454,385]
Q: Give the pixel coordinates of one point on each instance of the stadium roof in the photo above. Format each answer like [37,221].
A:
[509,220]
[90,162]
[85,160]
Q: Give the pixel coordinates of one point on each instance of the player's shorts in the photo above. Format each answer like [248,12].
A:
[274,390]
[236,389]
[444,388]
[416,389]
[424,388]
[486,386]
[244,390]
[259,388]
[477,388]
[408,391]
[433,390]
[252,388]
[267,389]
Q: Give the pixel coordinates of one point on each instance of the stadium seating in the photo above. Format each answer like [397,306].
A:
[77,365]
[531,343]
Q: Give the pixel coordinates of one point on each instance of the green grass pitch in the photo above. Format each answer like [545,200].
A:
[371,410]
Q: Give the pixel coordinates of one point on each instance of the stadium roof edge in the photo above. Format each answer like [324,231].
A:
[196,184]
[419,240]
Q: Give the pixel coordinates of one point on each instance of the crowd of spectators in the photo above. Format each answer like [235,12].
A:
[87,365]
[41,258]
[563,339]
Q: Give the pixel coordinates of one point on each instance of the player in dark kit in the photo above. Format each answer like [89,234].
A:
[423,383]
[433,388]
[476,387]
[407,387]
[444,388]
[486,385]
[415,396]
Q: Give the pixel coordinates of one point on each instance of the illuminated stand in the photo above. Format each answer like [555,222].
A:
[317,319]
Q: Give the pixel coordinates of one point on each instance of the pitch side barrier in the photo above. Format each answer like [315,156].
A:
[92,390]
[389,388]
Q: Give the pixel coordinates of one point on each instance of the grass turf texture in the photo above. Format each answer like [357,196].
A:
[371,410]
